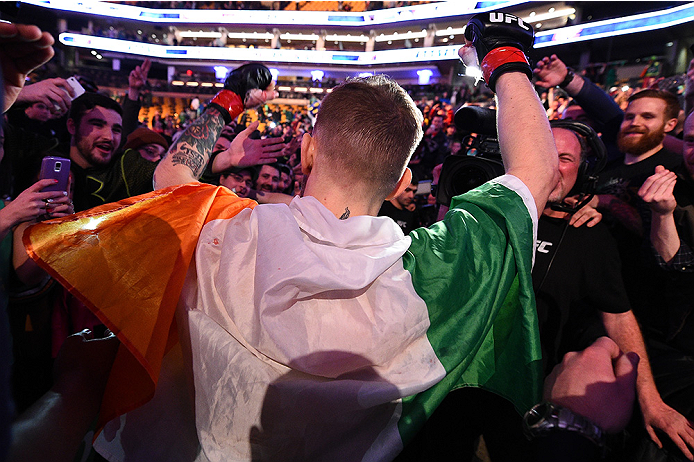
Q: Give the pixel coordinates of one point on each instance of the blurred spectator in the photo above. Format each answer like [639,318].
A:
[239,180]
[149,144]
[286,183]
[268,178]
[38,111]
[401,208]
[433,147]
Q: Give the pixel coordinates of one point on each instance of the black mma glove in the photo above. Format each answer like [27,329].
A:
[501,41]
[252,76]
[244,88]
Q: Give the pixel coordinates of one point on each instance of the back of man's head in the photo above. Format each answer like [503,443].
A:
[672,105]
[368,128]
[89,101]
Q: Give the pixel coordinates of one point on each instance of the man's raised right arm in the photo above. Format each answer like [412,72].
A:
[598,105]
[525,138]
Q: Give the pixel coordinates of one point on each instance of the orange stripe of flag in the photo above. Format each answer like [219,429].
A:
[127,262]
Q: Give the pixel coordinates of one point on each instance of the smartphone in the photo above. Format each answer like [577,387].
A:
[57,168]
[76,87]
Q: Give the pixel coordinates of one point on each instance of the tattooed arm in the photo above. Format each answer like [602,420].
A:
[186,160]
[247,86]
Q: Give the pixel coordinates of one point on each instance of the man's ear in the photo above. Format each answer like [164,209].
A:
[71,127]
[670,125]
[404,181]
[308,153]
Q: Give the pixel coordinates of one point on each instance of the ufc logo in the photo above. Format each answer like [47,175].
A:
[542,246]
[507,18]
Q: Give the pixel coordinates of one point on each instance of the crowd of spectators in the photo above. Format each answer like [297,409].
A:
[138,35]
[193,5]
[271,5]
[645,195]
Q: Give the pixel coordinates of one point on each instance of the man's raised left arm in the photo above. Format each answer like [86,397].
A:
[247,86]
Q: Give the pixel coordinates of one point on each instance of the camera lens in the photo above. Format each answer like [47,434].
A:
[463,173]
[469,178]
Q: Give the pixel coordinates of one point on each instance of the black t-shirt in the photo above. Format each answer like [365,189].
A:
[128,175]
[624,180]
[405,219]
[584,278]
[638,268]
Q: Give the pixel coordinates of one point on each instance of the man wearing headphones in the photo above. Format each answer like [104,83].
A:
[577,279]
[574,265]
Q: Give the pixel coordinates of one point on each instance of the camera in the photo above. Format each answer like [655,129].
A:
[482,160]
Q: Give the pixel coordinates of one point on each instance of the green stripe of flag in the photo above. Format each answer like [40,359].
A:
[473,271]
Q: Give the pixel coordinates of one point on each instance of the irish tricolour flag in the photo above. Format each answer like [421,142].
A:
[302,337]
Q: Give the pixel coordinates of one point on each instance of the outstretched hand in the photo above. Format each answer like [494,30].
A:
[246,152]
[550,71]
[23,48]
[657,191]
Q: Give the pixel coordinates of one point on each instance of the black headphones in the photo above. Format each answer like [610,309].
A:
[593,160]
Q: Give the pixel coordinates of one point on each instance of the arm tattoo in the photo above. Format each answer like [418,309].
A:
[199,131]
[195,145]
[345,215]
[188,156]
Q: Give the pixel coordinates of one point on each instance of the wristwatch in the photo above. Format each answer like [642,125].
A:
[546,416]
[569,77]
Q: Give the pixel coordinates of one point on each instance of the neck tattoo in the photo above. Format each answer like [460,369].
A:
[346,214]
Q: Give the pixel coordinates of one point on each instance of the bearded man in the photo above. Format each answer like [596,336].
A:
[651,114]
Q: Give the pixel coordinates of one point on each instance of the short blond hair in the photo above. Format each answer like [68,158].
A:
[368,129]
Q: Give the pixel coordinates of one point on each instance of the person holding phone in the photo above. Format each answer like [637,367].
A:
[48,198]
[57,423]
[33,203]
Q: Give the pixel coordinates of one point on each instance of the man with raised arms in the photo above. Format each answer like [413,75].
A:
[327,323]
[316,330]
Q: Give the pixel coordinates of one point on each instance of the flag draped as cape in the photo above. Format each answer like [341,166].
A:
[327,318]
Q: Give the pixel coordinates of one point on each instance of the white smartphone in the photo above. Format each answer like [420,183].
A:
[76,87]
